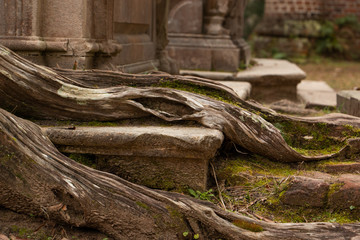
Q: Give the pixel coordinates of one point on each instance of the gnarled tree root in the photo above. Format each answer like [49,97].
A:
[36,179]
[34,91]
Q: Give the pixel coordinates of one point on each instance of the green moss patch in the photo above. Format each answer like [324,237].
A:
[316,138]
[202,90]
[283,213]
[255,185]
[253,227]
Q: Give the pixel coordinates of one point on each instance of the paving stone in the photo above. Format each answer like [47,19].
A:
[316,94]
[345,192]
[304,191]
[263,69]
[272,79]
[169,157]
[349,102]
[242,89]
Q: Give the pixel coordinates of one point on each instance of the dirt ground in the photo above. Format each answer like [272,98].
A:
[340,75]
[23,227]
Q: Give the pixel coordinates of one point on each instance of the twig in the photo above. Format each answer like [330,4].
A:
[217,185]
[237,150]
[262,218]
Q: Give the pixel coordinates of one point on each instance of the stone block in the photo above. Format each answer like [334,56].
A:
[191,57]
[316,94]
[345,192]
[204,52]
[272,79]
[304,191]
[161,157]
[225,59]
[349,102]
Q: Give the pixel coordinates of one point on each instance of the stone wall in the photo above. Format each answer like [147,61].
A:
[311,9]
[294,27]
[294,9]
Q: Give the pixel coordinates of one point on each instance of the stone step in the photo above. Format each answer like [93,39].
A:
[271,79]
[340,192]
[316,94]
[159,157]
[349,102]
[342,168]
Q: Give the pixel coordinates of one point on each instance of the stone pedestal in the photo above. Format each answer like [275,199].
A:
[204,52]
[206,35]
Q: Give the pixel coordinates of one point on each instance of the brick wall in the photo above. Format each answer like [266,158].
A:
[340,8]
[294,9]
[311,9]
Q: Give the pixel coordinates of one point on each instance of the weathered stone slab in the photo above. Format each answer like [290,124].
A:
[242,89]
[163,157]
[349,102]
[271,79]
[316,94]
[346,192]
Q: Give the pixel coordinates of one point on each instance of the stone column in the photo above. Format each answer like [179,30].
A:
[167,64]
[215,11]
[205,34]
[235,23]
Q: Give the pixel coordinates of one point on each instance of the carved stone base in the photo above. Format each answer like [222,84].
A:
[204,52]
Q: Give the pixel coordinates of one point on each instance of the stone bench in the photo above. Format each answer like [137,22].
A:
[160,157]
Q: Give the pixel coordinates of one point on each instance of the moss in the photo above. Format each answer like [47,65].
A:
[18,175]
[321,166]
[284,213]
[312,139]
[85,159]
[159,182]
[335,187]
[253,227]
[142,205]
[100,124]
[175,214]
[255,164]
[202,90]
[25,233]
[351,131]
[177,219]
